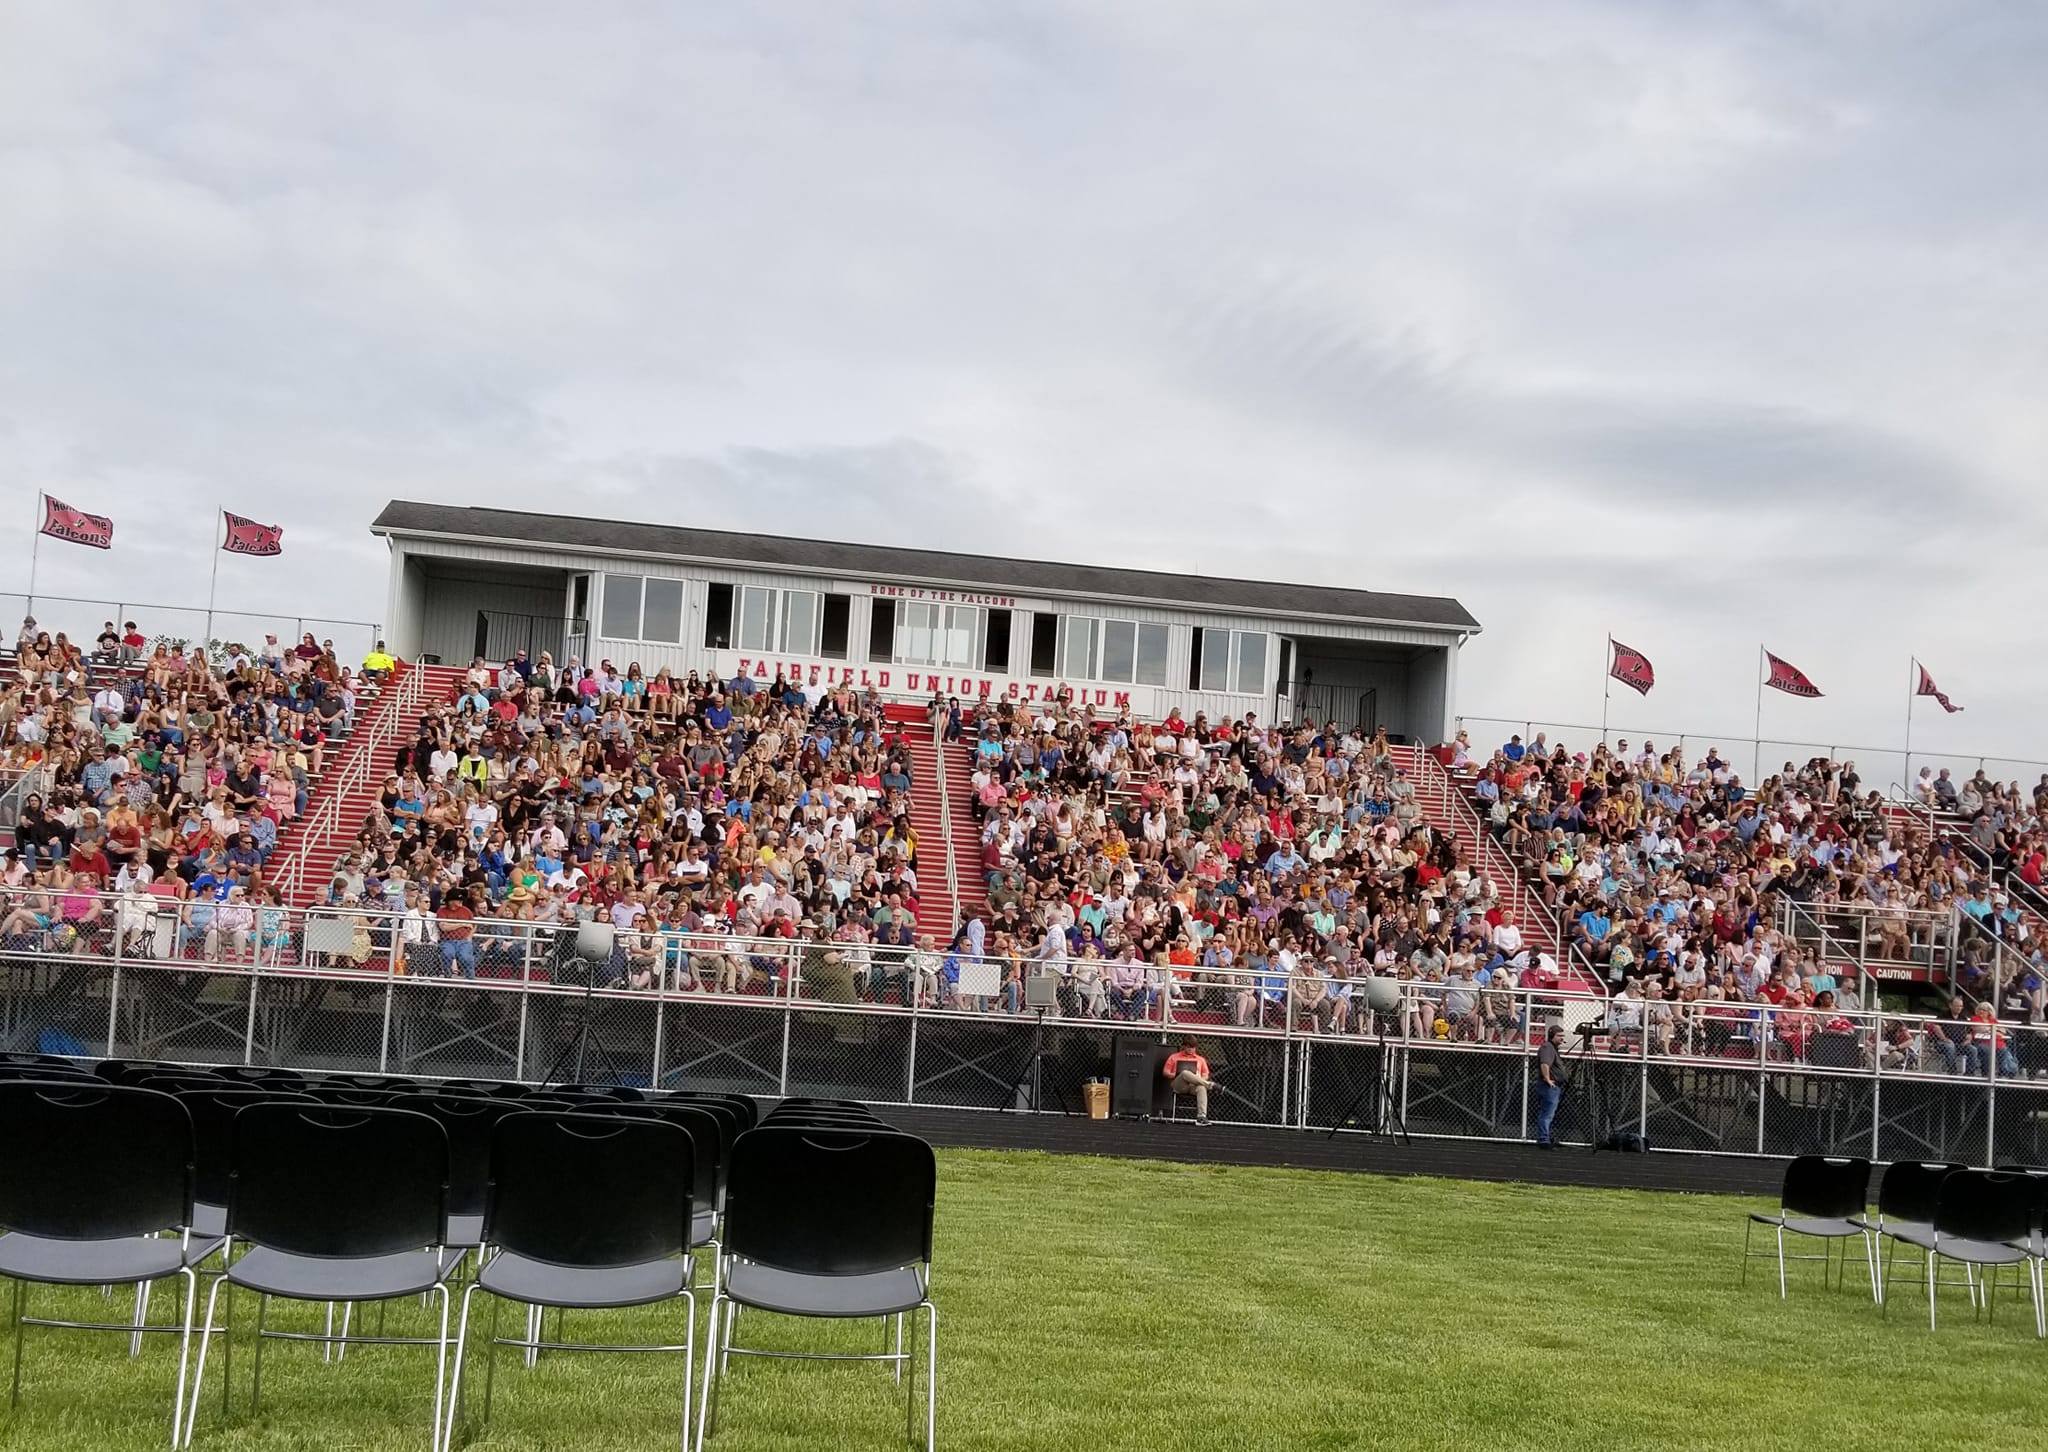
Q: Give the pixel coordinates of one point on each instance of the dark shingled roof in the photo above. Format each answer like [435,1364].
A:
[931,567]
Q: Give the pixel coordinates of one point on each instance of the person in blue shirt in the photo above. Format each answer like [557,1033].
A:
[1514,750]
[717,715]
[1592,929]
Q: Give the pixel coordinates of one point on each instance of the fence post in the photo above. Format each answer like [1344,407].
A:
[1287,1052]
[910,990]
[660,1012]
[1643,1081]
[1528,1022]
[390,997]
[525,999]
[782,1079]
[1991,1096]
[1876,1084]
[114,995]
[1763,1073]
[249,1028]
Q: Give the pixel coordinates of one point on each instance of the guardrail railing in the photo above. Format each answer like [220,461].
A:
[400,705]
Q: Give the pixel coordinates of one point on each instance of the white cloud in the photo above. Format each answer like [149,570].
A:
[1701,325]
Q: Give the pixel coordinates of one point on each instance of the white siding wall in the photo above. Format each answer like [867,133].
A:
[453,622]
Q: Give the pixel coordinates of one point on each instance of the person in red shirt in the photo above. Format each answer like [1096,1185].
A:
[1188,1072]
[458,947]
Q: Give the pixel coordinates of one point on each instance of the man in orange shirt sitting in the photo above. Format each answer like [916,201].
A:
[1188,1072]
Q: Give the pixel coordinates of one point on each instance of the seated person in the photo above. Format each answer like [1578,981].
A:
[1188,1072]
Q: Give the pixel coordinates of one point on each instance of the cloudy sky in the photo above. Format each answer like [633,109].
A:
[1706,325]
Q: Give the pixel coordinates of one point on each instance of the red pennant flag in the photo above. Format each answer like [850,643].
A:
[1928,688]
[1632,668]
[247,537]
[1789,678]
[61,521]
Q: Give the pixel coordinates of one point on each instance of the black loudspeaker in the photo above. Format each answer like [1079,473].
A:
[1130,1088]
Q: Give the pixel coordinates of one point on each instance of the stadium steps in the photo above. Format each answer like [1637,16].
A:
[307,853]
[938,911]
[1449,811]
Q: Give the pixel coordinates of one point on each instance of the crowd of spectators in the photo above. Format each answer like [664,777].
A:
[727,833]
[1220,862]
[733,834]
[1666,876]
[160,774]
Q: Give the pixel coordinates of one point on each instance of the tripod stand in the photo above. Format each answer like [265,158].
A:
[580,1047]
[1585,1087]
[1388,1116]
[1026,1088]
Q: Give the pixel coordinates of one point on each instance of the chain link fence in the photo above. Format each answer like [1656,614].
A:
[127,976]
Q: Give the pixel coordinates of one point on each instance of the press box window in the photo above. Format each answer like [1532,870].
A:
[838,626]
[1133,653]
[718,618]
[637,608]
[1228,660]
[1045,643]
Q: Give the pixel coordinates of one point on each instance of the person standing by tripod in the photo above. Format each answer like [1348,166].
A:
[1549,1083]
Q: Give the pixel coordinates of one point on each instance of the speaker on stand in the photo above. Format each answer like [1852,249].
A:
[596,942]
[1382,997]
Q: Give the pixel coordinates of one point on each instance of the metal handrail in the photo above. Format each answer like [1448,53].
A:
[528,958]
[1488,849]
[36,780]
[946,821]
[1836,751]
[403,697]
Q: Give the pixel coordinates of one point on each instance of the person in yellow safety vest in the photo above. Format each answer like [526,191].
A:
[1188,1072]
[379,662]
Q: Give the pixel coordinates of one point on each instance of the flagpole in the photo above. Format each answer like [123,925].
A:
[1606,688]
[219,514]
[35,551]
[1912,684]
[1756,761]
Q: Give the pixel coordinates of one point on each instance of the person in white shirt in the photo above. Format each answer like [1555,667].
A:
[442,762]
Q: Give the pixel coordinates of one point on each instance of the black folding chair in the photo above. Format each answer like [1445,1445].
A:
[1905,1214]
[1823,1198]
[742,1105]
[355,1095]
[2036,1247]
[574,1093]
[711,1140]
[827,1223]
[95,1172]
[45,1073]
[265,1075]
[585,1212]
[1984,1219]
[336,1203]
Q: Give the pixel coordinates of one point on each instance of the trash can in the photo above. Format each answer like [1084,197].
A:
[1095,1094]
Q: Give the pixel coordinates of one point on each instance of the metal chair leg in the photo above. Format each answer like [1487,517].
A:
[1781,1262]
[435,1440]
[491,1358]
[455,1387]
[141,1319]
[931,1377]
[256,1382]
[184,1351]
[205,1344]
[20,1309]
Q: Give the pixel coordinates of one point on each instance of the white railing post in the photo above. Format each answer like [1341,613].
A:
[390,999]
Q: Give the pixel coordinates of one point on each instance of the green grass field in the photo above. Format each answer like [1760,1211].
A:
[1095,1304]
